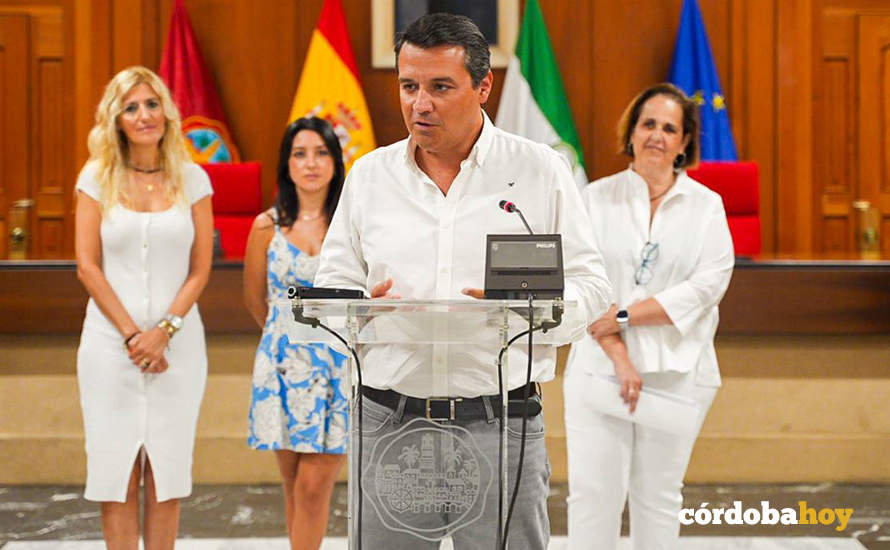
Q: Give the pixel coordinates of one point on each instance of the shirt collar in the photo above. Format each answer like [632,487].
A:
[682,186]
[478,153]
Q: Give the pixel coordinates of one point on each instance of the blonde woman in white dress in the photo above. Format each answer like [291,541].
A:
[143,239]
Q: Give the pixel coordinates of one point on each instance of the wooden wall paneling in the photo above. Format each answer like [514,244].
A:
[874,115]
[92,68]
[67,152]
[632,48]
[130,32]
[126,33]
[48,182]
[607,52]
[48,140]
[739,68]
[92,65]
[802,112]
[794,127]
[834,131]
[152,40]
[824,299]
[15,52]
[754,84]
[811,301]
[51,144]
[717,16]
[885,236]
[751,91]
[165,9]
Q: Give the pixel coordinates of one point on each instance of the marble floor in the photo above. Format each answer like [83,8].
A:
[251,518]
[559,543]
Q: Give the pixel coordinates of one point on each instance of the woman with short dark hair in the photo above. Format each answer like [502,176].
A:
[668,253]
[299,407]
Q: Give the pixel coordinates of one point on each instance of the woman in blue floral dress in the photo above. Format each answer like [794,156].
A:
[299,406]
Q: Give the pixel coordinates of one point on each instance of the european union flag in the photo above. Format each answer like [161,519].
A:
[693,70]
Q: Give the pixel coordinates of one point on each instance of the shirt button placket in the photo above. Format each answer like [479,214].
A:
[443,289]
[445,252]
[146,298]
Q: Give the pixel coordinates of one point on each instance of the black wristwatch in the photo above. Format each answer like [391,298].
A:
[623,318]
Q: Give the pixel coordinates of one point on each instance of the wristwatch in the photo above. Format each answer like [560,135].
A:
[623,319]
[171,323]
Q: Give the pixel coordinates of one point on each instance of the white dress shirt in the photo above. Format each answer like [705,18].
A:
[393,221]
[689,277]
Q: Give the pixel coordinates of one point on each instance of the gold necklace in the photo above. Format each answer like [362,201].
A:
[663,193]
[150,185]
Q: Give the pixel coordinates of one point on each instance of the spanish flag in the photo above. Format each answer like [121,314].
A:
[204,125]
[329,87]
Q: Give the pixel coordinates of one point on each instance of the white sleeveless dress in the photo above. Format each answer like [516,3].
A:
[145,257]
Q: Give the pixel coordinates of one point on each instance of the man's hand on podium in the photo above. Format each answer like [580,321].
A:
[381,290]
[477,293]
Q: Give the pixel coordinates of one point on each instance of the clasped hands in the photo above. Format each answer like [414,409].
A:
[605,325]
[628,377]
[146,350]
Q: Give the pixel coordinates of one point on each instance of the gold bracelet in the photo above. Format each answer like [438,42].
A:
[167,327]
[127,340]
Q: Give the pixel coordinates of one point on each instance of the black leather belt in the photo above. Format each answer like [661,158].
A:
[456,408]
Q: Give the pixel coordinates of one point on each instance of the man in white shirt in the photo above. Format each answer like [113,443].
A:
[411,223]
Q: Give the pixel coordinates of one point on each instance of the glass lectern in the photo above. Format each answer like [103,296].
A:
[430,477]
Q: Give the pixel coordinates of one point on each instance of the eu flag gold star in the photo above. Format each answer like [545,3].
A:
[698,97]
[718,102]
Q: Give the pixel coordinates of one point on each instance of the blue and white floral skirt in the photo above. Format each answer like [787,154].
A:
[299,398]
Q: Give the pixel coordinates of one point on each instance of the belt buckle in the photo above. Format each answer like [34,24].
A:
[451,407]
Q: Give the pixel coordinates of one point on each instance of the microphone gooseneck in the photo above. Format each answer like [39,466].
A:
[510,207]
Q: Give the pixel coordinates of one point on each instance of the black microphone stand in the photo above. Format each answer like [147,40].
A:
[510,207]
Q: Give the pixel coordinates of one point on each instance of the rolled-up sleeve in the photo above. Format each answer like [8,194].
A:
[688,300]
[585,275]
[341,264]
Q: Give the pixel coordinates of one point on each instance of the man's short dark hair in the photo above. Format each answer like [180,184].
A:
[448,29]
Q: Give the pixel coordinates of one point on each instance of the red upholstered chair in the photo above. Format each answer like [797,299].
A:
[237,199]
[739,185]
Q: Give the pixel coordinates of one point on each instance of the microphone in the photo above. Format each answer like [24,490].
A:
[508,206]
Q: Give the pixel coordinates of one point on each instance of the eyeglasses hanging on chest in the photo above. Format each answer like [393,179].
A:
[648,256]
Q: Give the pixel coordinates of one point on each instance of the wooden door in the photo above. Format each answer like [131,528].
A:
[874,119]
[851,123]
[15,137]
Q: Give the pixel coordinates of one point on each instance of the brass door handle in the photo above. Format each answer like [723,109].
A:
[19,220]
[17,235]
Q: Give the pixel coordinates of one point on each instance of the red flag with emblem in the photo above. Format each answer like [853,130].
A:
[204,124]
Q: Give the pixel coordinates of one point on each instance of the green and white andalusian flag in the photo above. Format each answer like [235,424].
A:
[533,102]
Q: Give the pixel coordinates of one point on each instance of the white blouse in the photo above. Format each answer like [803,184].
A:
[688,277]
